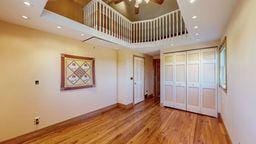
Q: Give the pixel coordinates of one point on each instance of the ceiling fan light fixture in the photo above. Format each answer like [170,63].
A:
[136,5]
[192,1]
[147,1]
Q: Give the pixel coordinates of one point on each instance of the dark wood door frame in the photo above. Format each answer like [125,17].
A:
[156,77]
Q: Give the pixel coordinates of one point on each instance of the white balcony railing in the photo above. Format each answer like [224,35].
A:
[102,17]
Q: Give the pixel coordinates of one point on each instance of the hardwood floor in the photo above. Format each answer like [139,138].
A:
[147,123]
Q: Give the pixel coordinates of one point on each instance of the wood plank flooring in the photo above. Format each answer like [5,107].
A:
[146,123]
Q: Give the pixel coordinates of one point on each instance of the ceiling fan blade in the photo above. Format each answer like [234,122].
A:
[137,10]
[158,1]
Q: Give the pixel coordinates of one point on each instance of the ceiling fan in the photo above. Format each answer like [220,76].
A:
[138,2]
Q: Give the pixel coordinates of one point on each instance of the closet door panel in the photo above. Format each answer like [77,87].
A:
[180,94]
[209,82]
[169,72]
[193,72]
[193,81]
[193,96]
[180,81]
[180,73]
[208,73]
[169,92]
[209,100]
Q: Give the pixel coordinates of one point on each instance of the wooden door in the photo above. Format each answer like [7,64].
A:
[180,80]
[193,81]
[169,63]
[209,82]
[138,70]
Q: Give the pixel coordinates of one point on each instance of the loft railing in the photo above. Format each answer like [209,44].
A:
[102,17]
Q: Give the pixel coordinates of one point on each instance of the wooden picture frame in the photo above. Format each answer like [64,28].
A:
[77,72]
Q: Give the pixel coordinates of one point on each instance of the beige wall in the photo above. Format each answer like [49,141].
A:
[27,55]
[239,104]
[125,72]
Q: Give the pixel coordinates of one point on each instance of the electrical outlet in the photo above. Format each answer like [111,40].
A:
[36,120]
[37,82]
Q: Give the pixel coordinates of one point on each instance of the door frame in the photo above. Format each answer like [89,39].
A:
[133,60]
[156,71]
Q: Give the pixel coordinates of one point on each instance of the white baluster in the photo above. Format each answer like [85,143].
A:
[112,19]
[100,11]
[122,28]
[157,29]
[89,20]
[181,23]
[131,26]
[109,21]
[147,31]
[117,26]
[166,26]
[170,25]
[104,16]
[154,32]
[173,24]
[86,15]
[177,24]
[142,32]
[162,27]
[132,32]
[137,32]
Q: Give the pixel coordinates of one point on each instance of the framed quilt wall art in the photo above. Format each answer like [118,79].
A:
[77,72]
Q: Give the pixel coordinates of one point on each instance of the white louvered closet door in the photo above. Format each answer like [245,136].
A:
[193,81]
[180,81]
[209,82]
[169,63]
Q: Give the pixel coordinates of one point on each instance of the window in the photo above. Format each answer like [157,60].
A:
[223,65]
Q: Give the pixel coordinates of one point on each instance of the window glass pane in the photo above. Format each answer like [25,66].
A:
[223,69]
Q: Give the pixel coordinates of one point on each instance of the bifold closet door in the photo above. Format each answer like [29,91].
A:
[169,61]
[209,82]
[193,81]
[180,81]
[175,80]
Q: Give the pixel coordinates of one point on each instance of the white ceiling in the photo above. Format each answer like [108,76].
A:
[12,11]
[213,16]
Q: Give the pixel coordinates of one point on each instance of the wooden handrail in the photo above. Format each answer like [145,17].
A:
[102,17]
